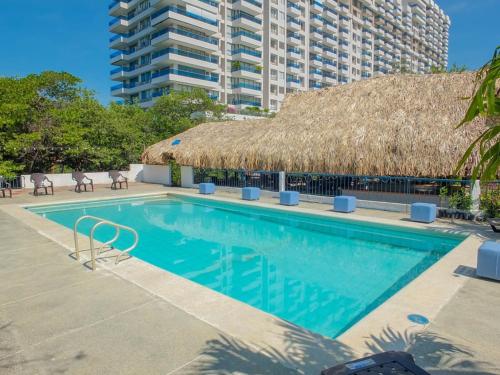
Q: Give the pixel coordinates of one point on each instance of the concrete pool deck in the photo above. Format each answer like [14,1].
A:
[56,316]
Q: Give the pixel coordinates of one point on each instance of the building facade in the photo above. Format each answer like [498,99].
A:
[251,53]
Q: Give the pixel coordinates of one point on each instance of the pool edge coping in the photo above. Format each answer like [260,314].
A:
[226,313]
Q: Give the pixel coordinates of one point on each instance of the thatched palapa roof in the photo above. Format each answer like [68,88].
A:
[392,125]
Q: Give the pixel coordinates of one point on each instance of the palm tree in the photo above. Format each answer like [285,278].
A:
[485,103]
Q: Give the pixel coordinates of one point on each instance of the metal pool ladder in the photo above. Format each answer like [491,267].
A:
[100,222]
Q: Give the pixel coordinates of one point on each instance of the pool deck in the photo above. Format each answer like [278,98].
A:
[56,316]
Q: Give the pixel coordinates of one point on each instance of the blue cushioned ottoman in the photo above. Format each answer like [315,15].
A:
[488,260]
[344,203]
[250,193]
[207,188]
[289,198]
[423,212]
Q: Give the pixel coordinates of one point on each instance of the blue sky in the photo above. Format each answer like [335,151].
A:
[72,35]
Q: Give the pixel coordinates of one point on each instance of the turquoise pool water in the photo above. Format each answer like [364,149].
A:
[319,273]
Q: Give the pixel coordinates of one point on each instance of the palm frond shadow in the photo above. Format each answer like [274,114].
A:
[436,353]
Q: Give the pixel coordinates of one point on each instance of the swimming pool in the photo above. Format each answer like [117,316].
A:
[321,273]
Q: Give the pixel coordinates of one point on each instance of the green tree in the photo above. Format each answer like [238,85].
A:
[485,103]
[26,123]
[179,111]
[49,123]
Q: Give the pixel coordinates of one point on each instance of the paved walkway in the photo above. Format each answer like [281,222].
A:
[56,317]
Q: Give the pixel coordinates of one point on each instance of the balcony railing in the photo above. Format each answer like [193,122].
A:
[247,51]
[248,34]
[184,12]
[193,55]
[116,20]
[245,102]
[205,77]
[258,4]
[189,34]
[246,16]
[118,53]
[293,5]
[117,36]
[211,2]
[114,3]
[121,69]
[246,68]
[246,85]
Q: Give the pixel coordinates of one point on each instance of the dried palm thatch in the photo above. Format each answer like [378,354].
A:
[393,125]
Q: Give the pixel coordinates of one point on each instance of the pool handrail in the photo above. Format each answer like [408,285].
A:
[100,222]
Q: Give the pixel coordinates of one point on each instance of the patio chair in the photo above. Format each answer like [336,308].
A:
[82,179]
[40,181]
[118,179]
[5,187]
[495,224]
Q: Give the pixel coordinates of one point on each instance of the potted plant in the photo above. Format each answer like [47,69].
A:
[490,204]
[235,65]
[455,205]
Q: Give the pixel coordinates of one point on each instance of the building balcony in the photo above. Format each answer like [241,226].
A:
[344,47]
[175,35]
[168,56]
[329,79]
[118,41]
[248,22]
[293,24]
[330,27]
[241,103]
[246,88]
[316,48]
[210,5]
[329,52]
[293,83]
[316,62]
[330,40]
[250,6]
[294,54]
[293,39]
[330,14]
[247,38]
[293,9]
[316,20]
[316,7]
[344,8]
[119,57]
[315,74]
[316,35]
[120,74]
[119,90]
[118,8]
[344,22]
[172,14]
[185,77]
[246,72]
[118,25]
[246,55]
[293,68]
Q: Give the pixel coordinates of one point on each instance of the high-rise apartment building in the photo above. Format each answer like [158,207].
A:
[252,52]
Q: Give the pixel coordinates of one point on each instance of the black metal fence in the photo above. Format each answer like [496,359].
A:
[391,189]
[238,178]
[377,188]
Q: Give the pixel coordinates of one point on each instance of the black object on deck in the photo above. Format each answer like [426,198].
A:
[390,363]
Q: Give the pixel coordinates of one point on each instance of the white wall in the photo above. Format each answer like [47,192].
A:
[155,174]
[187,176]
